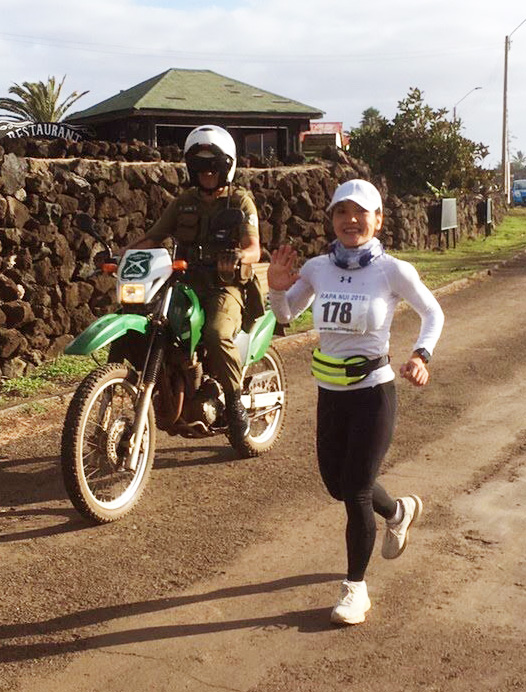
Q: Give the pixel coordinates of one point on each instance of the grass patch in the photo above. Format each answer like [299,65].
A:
[471,255]
[302,323]
[49,378]
[34,407]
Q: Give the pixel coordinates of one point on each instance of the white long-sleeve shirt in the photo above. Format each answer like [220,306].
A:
[353,309]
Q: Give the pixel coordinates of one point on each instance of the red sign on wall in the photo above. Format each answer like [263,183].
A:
[327,128]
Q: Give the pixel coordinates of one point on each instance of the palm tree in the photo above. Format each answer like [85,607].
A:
[519,159]
[38,102]
[371,119]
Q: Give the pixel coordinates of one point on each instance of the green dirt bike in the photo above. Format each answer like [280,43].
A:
[155,378]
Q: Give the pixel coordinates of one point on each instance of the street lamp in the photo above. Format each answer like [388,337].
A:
[456,104]
[505,162]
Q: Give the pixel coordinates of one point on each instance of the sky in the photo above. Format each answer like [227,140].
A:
[339,56]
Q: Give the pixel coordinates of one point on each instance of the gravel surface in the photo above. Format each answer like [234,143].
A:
[224,575]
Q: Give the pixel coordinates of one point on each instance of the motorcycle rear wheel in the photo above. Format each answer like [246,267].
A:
[95,444]
[265,376]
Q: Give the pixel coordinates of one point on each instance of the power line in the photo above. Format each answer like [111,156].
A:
[118,49]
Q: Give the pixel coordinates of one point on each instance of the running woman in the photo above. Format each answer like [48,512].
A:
[354,290]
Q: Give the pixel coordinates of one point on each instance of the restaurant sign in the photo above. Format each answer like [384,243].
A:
[73,133]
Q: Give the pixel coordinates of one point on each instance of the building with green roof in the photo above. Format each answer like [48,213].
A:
[162,110]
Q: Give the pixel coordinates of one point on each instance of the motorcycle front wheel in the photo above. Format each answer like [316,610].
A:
[266,376]
[96,442]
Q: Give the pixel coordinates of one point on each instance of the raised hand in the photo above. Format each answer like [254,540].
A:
[281,272]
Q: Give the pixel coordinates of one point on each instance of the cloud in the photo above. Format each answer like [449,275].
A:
[341,56]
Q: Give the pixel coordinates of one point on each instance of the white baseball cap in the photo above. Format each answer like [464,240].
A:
[360,191]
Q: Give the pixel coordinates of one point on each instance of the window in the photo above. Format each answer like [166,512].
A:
[262,144]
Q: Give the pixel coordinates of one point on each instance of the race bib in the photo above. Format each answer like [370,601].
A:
[334,311]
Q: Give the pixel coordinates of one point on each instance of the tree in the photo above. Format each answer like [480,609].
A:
[419,148]
[518,165]
[519,159]
[371,119]
[369,141]
[38,102]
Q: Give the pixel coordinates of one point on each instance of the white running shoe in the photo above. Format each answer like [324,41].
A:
[396,534]
[353,603]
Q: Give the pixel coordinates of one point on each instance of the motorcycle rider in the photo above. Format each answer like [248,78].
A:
[210,156]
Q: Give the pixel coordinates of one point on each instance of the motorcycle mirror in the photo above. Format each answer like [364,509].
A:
[86,224]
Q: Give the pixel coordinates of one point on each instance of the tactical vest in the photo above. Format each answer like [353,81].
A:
[193,223]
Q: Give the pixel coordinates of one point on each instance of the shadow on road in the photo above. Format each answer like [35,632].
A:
[30,480]
[74,523]
[308,621]
[26,482]
[196,455]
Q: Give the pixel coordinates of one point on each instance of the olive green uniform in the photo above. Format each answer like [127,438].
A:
[187,219]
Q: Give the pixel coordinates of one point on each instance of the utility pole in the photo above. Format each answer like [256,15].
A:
[505,161]
[505,177]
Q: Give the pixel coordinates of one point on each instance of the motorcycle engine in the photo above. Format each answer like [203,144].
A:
[206,405]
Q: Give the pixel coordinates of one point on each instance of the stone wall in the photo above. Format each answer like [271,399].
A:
[47,289]
[27,147]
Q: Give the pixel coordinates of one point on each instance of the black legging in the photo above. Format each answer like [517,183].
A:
[354,431]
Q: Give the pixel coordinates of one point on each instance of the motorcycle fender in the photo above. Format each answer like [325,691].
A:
[103,331]
[186,316]
[253,346]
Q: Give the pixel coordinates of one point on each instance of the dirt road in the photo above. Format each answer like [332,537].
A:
[224,577]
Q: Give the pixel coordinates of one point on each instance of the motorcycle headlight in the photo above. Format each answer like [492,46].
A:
[132,293]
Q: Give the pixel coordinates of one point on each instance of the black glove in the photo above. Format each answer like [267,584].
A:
[100,258]
[104,257]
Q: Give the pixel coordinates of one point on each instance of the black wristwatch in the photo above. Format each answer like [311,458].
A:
[424,354]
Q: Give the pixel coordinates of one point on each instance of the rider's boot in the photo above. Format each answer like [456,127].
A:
[238,422]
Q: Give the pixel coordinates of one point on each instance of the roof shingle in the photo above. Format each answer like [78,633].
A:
[198,91]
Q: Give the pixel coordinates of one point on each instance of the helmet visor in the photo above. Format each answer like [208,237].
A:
[201,164]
